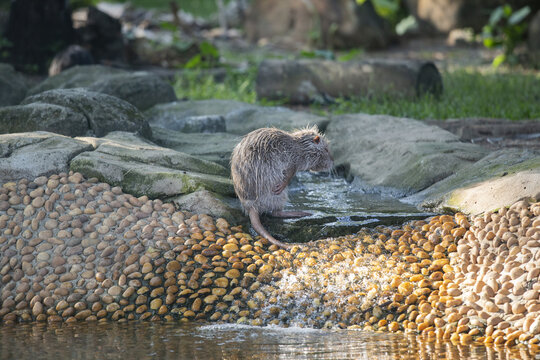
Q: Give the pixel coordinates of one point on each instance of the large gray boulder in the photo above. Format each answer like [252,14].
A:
[142,168]
[175,116]
[499,179]
[73,112]
[216,147]
[180,115]
[13,87]
[75,77]
[240,118]
[140,89]
[29,155]
[43,117]
[398,155]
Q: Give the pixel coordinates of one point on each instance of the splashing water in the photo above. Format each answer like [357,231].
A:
[342,283]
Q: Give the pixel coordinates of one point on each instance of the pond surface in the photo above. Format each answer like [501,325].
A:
[338,208]
[145,340]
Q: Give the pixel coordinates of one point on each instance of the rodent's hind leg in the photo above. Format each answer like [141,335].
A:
[289,214]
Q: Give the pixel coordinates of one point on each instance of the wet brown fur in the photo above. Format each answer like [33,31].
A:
[264,162]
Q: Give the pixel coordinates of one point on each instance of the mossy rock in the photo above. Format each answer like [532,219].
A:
[143,168]
[75,77]
[42,117]
[141,89]
[132,148]
[103,113]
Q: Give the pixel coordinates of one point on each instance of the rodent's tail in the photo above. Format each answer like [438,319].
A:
[256,223]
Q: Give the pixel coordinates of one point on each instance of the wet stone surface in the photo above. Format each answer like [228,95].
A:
[78,250]
[337,208]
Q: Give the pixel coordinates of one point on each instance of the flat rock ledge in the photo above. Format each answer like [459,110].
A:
[79,250]
[144,168]
[493,182]
[40,153]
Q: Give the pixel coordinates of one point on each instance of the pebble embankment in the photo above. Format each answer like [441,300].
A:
[78,250]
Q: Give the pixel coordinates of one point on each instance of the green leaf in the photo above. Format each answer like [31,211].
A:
[207,49]
[496,15]
[386,8]
[194,62]
[519,15]
[489,42]
[307,54]
[167,26]
[350,55]
[499,59]
[507,9]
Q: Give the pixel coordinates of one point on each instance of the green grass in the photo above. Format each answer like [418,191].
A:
[466,93]
[196,86]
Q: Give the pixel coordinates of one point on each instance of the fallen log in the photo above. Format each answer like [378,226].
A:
[307,81]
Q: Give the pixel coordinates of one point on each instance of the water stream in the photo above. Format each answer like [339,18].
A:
[145,340]
[337,208]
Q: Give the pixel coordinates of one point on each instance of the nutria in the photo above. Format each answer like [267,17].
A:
[263,164]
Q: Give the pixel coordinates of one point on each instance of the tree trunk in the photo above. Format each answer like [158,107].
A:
[305,81]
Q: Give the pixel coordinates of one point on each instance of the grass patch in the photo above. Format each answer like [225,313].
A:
[195,85]
[466,93]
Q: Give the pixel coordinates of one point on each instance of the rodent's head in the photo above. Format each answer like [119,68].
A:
[316,154]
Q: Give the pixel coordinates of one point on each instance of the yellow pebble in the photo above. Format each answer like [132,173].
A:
[232,274]
[156,304]
[405,288]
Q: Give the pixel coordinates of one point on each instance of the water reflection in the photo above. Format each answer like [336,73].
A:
[143,340]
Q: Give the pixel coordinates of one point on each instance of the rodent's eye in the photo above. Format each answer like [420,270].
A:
[317,139]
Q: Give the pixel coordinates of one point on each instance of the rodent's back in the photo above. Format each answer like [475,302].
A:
[258,163]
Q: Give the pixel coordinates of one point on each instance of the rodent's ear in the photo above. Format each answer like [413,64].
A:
[317,139]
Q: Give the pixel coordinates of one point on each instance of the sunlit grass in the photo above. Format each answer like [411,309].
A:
[466,93]
[197,86]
